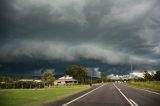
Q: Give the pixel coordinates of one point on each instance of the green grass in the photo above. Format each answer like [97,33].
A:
[151,85]
[30,97]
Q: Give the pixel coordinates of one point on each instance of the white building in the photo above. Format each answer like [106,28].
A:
[65,80]
[30,80]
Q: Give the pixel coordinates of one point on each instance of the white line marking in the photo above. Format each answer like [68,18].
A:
[142,89]
[133,102]
[124,96]
[81,96]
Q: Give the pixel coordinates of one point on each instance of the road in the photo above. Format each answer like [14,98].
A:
[111,95]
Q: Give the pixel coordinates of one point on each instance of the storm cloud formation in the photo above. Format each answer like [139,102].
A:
[110,31]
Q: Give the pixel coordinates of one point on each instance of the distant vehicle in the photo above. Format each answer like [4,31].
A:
[118,81]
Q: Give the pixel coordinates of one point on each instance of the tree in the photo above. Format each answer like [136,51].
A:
[48,77]
[157,76]
[147,76]
[103,77]
[77,72]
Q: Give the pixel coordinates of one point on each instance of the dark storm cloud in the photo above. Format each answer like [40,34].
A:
[111,31]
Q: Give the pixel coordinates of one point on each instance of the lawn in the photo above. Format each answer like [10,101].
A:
[151,85]
[31,97]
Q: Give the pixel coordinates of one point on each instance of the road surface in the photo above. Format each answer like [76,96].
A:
[112,94]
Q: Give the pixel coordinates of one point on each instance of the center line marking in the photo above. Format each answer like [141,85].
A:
[81,96]
[132,104]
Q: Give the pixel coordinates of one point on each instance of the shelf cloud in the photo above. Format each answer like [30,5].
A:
[110,31]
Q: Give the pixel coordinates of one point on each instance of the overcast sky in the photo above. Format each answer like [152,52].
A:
[110,31]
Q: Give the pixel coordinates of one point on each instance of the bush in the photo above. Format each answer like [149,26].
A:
[21,85]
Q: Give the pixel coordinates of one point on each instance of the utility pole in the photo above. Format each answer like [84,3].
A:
[131,66]
[131,69]
[91,78]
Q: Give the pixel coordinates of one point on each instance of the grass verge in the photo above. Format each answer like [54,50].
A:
[31,97]
[151,85]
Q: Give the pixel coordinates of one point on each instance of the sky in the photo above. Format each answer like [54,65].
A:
[109,34]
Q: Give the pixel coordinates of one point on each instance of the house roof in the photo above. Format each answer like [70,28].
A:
[66,78]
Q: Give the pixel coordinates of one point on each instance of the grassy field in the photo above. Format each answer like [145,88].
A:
[31,97]
[152,85]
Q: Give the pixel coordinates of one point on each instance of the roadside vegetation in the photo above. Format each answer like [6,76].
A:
[35,97]
[150,81]
[151,85]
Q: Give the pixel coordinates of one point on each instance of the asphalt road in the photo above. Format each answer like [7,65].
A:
[111,95]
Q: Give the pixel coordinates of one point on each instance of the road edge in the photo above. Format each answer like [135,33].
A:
[82,96]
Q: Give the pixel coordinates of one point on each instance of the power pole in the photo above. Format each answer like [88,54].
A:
[131,70]
[91,78]
[131,66]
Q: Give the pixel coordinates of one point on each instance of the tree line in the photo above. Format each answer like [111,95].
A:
[48,77]
[152,76]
